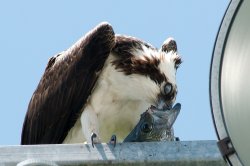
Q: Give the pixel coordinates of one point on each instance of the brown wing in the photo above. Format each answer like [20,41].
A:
[65,87]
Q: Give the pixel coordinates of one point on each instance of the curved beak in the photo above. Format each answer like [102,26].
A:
[164,104]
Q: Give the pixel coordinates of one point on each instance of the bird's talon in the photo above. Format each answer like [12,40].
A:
[113,140]
[93,136]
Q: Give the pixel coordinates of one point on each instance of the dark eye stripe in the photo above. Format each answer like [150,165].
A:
[127,63]
[147,67]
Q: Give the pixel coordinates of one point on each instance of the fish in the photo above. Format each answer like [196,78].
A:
[155,125]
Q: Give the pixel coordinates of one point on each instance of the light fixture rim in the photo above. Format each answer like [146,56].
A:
[214,81]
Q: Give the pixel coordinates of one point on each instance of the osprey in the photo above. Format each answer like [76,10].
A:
[99,87]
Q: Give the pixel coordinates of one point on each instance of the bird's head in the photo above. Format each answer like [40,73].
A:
[150,73]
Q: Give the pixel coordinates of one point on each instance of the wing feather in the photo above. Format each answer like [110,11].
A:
[65,86]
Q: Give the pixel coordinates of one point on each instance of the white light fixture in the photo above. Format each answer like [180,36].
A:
[230,84]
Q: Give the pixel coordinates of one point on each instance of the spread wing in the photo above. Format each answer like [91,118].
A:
[65,87]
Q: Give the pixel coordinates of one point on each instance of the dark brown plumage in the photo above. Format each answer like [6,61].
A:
[169,46]
[65,87]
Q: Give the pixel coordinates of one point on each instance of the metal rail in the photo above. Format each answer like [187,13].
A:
[173,153]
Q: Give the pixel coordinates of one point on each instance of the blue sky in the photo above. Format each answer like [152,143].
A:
[31,32]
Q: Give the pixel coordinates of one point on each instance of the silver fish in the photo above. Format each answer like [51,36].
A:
[155,125]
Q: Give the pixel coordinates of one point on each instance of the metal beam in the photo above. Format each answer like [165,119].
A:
[181,153]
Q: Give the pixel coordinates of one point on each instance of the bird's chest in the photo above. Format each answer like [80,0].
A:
[117,116]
